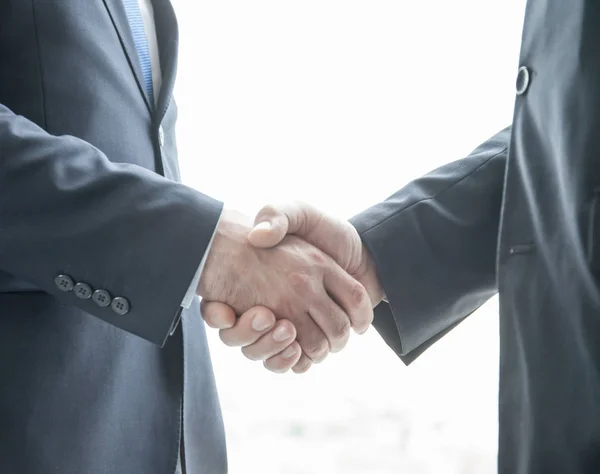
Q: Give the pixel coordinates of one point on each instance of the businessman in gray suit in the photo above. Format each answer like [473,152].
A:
[104,366]
[519,216]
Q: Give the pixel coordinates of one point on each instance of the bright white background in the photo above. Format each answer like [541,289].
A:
[340,103]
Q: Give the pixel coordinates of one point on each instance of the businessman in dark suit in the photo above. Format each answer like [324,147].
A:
[520,216]
[104,366]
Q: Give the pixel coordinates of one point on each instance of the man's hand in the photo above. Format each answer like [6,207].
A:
[260,335]
[295,280]
[336,237]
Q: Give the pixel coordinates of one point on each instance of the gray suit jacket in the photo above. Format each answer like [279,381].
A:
[98,245]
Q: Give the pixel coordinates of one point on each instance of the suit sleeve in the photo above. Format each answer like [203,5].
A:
[434,246]
[66,209]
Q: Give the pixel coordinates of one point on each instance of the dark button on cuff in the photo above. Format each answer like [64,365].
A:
[64,283]
[82,291]
[120,305]
[523,79]
[101,298]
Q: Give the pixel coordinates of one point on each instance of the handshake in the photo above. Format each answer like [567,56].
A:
[289,287]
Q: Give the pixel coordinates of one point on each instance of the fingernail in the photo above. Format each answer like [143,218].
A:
[265,225]
[281,334]
[260,322]
[289,352]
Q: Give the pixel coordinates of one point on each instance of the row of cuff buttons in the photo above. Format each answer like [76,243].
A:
[83,291]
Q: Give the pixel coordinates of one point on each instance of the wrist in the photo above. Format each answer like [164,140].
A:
[227,256]
[370,280]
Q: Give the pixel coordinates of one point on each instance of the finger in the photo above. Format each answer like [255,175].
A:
[249,327]
[276,340]
[332,320]
[217,315]
[351,296]
[303,364]
[312,339]
[267,234]
[285,360]
[273,222]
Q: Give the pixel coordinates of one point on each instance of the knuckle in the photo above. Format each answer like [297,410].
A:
[309,217]
[301,283]
[317,257]
[341,330]
[358,294]
[362,322]
[317,350]
[270,210]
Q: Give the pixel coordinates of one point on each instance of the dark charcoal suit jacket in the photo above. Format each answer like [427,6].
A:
[519,216]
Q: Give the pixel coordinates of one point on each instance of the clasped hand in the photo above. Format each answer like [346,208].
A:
[289,288]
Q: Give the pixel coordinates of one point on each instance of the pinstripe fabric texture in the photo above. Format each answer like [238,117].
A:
[136,23]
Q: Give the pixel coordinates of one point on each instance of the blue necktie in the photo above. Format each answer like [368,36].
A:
[136,23]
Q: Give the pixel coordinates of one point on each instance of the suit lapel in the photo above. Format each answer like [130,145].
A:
[168,43]
[119,19]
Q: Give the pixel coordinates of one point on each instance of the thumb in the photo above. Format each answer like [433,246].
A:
[217,315]
[273,223]
[270,227]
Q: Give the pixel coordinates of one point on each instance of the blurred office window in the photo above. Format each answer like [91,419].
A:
[340,103]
